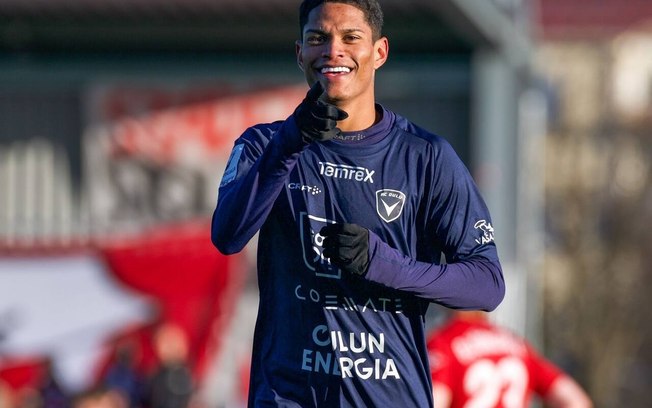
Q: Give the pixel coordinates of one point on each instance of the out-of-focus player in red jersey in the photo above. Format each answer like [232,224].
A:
[476,364]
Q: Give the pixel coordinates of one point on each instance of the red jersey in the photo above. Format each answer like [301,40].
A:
[486,366]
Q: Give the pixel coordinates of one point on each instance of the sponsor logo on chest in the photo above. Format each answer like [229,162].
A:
[345,172]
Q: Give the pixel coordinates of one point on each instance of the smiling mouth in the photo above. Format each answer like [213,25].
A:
[335,70]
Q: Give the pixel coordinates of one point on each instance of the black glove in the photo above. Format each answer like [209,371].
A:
[316,119]
[347,246]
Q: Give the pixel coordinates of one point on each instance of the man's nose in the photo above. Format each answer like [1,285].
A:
[333,48]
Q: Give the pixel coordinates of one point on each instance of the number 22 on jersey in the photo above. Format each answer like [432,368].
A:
[501,383]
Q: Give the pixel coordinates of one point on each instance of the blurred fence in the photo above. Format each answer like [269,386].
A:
[148,155]
[38,203]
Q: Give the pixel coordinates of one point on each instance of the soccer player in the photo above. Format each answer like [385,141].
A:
[475,363]
[355,205]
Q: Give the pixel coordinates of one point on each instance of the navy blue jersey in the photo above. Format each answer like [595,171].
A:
[325,338]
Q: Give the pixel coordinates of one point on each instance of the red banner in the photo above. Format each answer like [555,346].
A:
[76,312]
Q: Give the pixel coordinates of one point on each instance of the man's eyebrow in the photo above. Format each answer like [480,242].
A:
[352,30]
[345,31]
[314,31]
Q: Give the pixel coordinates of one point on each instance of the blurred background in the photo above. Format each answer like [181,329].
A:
[117,116]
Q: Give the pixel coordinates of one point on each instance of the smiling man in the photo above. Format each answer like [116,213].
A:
[342,48]
[355,206]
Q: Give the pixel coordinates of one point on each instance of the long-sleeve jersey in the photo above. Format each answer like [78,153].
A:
[325,338]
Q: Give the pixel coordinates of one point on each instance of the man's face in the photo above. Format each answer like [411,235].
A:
[339,51]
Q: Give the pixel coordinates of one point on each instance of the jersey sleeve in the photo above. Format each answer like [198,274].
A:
[543,373]
[470,284]
[456,212]
[260,162]
[458,219]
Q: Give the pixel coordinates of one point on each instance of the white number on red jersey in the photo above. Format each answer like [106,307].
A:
[488,383]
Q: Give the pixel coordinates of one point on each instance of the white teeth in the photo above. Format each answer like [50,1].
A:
[335,69]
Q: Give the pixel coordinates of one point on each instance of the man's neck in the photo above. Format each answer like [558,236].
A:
[361,116]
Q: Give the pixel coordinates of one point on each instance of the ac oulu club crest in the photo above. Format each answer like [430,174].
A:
[389,204]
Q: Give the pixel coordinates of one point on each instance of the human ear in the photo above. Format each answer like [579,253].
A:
[297,49]
[381,50]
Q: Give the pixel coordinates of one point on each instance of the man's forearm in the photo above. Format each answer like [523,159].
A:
[475,283]
[244,204]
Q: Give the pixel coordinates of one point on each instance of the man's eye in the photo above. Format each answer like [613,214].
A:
[312,40]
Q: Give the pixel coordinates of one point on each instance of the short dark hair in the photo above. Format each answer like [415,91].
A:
[373,14]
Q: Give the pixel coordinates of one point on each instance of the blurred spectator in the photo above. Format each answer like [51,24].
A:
[50,392]
[28,397]
[171,385]
[100,398]
[123,376]
[476,363]
[6,397]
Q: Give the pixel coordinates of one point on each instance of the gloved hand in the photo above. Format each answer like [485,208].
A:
[347,246]
[316,119]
